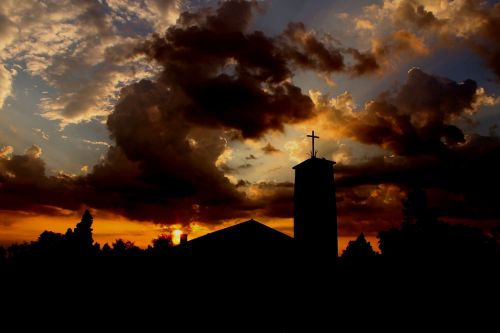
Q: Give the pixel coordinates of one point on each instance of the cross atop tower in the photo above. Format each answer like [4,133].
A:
[313,152]
[315,208]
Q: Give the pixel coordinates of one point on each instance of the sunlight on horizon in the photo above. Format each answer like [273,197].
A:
[176,236]
[107,229]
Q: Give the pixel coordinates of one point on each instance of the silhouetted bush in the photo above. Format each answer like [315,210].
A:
[121,248]
[3,255]
[359,250]
[423,237]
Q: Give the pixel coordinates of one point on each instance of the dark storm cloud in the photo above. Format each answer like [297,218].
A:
[230,77]
[216,76]
[25,186]
[419,119]
[172,179]
[306,51]
[467,173]
[270,149]
[368,209]
[275,199]
[487,42]
[385,51]
[417,125]
[169,134]
[472,23]
[366,63]
[219,78]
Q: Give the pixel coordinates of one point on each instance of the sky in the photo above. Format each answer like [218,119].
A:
[161,114]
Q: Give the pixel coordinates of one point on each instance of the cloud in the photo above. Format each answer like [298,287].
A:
[386,51]
[5,84]
[158,13]
[151,137]
[26,187]
[81,50]
[414,13]
[5,151]
[461,23]
[84,169]
[78,48]
[169,134]
[309,52]
[270,149]
[418,128]
[39,131]
[398,44]
[465,175]
[487,39]
[366,63]
[237,79]
[245,166]
[368,208]
[229,77]
[271,199]
[218,81]
[413,136]
[364,24]
[420,118]
[326,56]
[97,143]
[34,152]
[7,30]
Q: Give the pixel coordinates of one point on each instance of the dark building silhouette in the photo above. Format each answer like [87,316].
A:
[247,239]
[315,210]
[184,238]
[315,222]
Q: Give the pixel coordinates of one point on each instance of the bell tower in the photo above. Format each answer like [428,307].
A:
[315,209]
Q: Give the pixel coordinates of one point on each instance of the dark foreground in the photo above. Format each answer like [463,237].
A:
[245,294]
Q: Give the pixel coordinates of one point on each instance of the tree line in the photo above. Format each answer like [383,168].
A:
[421,238]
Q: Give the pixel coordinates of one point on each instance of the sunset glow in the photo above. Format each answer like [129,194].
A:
[296,161]
[120,109]
[176,236]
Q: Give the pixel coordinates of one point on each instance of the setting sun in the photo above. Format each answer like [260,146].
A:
[176,236]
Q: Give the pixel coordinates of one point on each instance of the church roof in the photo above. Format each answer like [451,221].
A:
[250,230]
[313,161]
[244,237]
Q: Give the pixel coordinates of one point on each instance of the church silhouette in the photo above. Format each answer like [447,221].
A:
[315,221]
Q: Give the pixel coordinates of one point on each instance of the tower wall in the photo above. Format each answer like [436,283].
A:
[315,209]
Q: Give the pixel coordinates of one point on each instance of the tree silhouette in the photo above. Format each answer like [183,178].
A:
[495,233]
[121,248]
[359,249]
[51,244]
[106,249]
[162,244]
[422,236]
[3,255]
[83,232]
[20,251]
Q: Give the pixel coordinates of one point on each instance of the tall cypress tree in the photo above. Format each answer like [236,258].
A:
[83,231]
